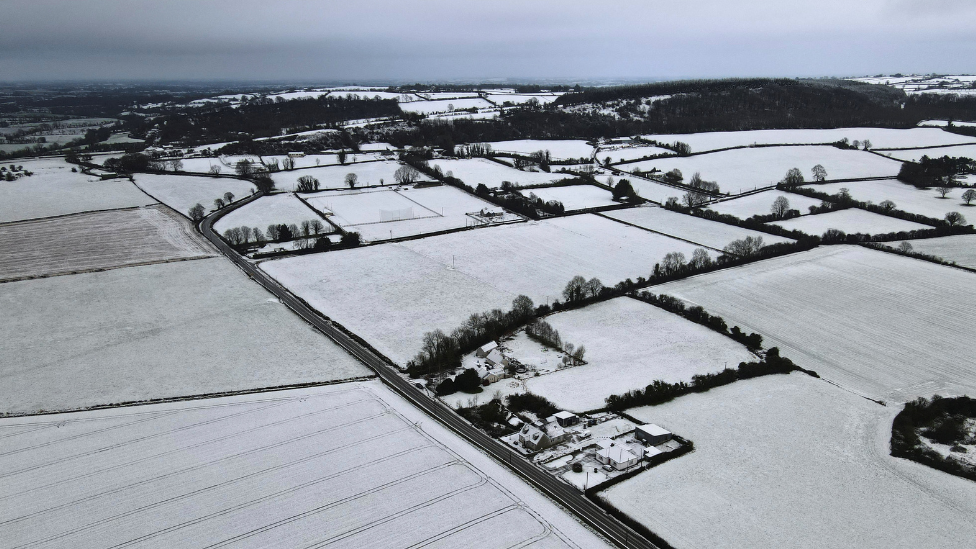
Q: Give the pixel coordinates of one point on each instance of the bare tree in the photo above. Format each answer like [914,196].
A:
[258,236]
[341,155]
[405,175]
[593,287]
[700,259]
[307,183]
[866,143]
[288,163]
[819,173]
[944,188]
[694,199]
[522,306]
[273,232]
[351,180]
[793,177]
[575,290]
[228,197]
[905,247]
[244,167]
[306,228]
[175,164]
[578,354]
[780,206]
[955,218]
[672,263]
[744,247]
[197,212]
[969,196]
[214,170]
[887,205]
[218,204]
[316,226]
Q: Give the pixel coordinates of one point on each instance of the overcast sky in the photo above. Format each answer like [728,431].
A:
[352,40]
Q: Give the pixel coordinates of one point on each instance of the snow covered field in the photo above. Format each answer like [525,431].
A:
[630,344]
[182,192]
[275,209]
[648,190]
[906,197]
[344,466]
[744,169]
[792,462]
[518,99]
[851,220]
[163,330]
[707,233]
[96,241]
[914,155]
[444,105]
[389,295]
[392,294]
[761,203]
[559,148]
[576,197]
[380,214]
[478,170]
[959,248]
[624,154]
[333,177]
[876,323]
[880,138]
[55,190]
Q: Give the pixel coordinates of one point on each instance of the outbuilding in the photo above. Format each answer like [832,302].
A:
[652,434]
[566,419]
[618,457]
[483,351]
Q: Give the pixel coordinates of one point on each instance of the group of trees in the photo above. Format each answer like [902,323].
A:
[936,172]
[544,333]
[745,247]
[305,231]
[579,289]
[941,420]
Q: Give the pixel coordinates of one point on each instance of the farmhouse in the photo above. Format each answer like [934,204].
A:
[617,457]
[296,154]
[540,437]
[652,434]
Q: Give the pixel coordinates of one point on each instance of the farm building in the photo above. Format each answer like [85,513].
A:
[489,374]
[495,358]
[296,154]
[485,349]
[618,457]
[566,419]
[652,434]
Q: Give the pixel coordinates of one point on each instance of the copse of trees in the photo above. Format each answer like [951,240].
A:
[307,183]
[935,172]
[941,420]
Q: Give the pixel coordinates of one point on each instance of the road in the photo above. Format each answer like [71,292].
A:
[566,495]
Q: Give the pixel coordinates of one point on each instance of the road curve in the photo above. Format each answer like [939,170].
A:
[566,495]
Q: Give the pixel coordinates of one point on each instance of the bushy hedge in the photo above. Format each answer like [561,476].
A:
[699,315]
[528,402]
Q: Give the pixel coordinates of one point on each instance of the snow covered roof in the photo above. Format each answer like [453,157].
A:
[617,454]
[495,356]
[564,415]
[654,430]
[604,443]
[651,452]
[488,347]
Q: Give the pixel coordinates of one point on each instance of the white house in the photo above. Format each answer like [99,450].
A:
[617,457]
[296,154]
[533,437]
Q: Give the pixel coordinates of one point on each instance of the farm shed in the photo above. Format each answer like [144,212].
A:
[483,351]
[652,434]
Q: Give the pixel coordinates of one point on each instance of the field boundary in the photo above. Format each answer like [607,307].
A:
[102,269]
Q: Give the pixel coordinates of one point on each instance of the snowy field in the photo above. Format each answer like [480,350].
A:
[711,234]
[576,197]
[792,462]
[959,248]
[388,213]
[182,192]
[851,221]
[558,148]
[648,190]
[744,169]
[389,295]
[914,155]
[875,322]
[344,466]
[630,344]
[274,209]
[164,330]
[479,170]
[392,294]
[762,203]
[625,154]
[97,241]
[518,99]
[880,138]
[227,163]
[55,190]
[333,177]
[445,105]
[906,197]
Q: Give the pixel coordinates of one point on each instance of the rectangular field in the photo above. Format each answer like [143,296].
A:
[880,138]
[906,197]
[648,190]
[914,155]
[624,154]
[343,466]
[275,209]
[333,177]
[97,241]
[381,214]
[55,190]
[478,170]
[851,221]
[761,203]
[182,192]
[792,462]
[444,105]
[560,149]
[710,234]
[576,197]
[959,248]
[883,325]
[630,344]
[156,331]
[740,170]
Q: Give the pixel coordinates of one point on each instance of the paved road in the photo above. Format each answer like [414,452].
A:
[568,496]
